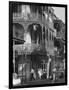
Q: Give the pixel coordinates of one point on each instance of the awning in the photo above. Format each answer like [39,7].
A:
[26,48]
[18,40]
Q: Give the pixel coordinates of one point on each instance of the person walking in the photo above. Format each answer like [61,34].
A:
[40,73]
[54,73]
[33,75]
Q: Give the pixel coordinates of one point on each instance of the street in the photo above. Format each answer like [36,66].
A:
[42,82]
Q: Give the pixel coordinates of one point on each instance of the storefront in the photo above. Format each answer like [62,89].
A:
[26,59]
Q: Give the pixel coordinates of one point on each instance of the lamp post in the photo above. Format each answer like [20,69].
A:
[48,66]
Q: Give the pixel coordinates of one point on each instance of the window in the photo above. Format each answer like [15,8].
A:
[46,8]
[50,11]
[47,34]
[44,33]
[50,35]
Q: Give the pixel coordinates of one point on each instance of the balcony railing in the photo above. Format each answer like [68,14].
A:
[32,17]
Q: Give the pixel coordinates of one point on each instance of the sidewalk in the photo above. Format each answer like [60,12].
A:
[41,82]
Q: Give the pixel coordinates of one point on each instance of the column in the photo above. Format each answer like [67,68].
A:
[48,39]
[14,57]
[42,34]
[48,67]
[64,49]
[37,14]
[64,63]
[45,37]
[43,63]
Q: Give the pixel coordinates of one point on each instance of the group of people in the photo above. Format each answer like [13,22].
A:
[40,74]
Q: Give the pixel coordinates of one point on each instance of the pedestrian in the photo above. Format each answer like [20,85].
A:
[33,75]
[16,80]
[40,73]
[54,73]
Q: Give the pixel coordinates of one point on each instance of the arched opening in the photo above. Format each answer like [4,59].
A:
[18,31]
[18,57]
[35,31]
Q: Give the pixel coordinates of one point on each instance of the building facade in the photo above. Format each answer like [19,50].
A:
[32,27]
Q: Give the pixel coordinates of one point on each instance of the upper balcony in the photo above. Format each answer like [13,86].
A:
[27,16]
[37,14]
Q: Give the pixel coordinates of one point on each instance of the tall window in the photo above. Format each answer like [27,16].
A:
[44,33]
[47,34]
[50,35]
